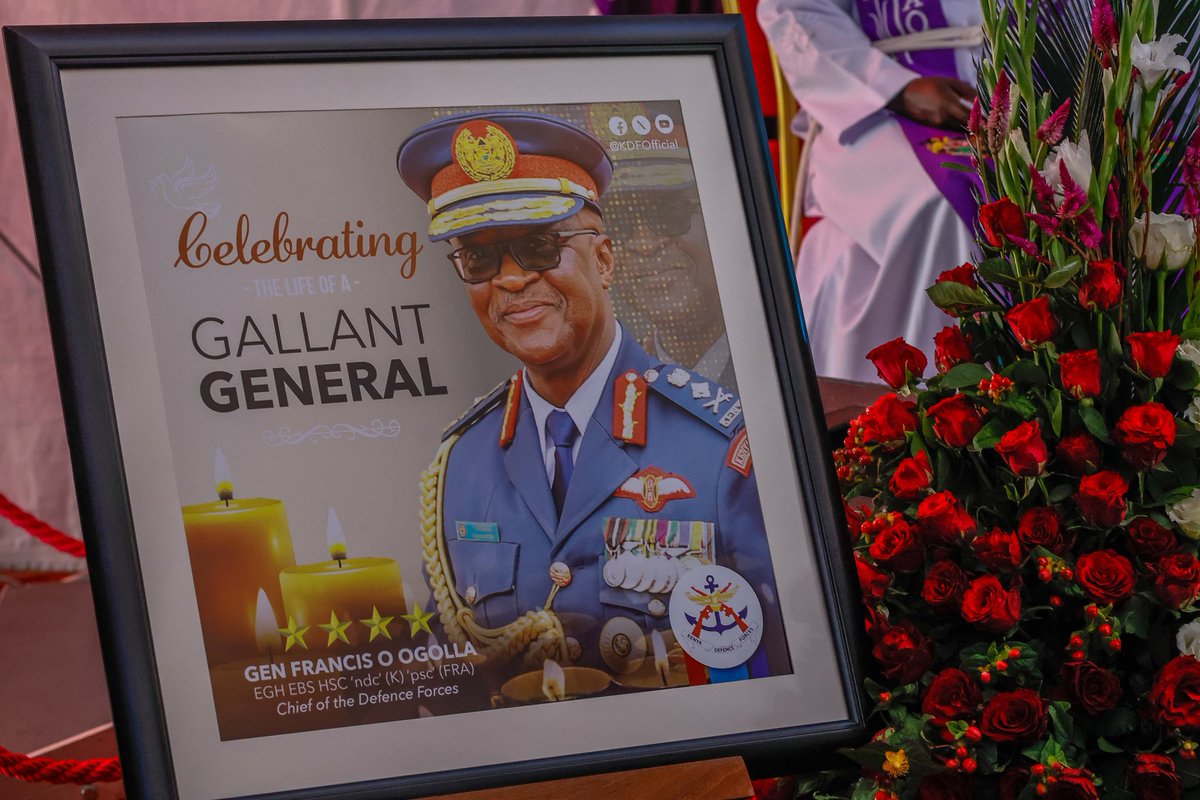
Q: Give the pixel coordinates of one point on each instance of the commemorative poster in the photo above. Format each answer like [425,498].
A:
[363,322]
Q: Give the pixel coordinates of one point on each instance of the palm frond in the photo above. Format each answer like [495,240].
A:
[1180,17]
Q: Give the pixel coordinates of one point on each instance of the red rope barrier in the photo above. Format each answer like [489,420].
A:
[48,770]
[40,530]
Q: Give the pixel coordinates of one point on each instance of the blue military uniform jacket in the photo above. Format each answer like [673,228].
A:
[505,574]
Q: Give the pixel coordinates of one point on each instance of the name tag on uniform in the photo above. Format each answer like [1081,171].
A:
[477,531]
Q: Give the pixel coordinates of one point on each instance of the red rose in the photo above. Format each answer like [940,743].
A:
[1079,371]
[1150,541]
[888,419]
[1143,433]
[998,549]
[1079,453]
[1101,498]
[1154,777]
[956,420]
[943,520]
[964,274]
[1024,450]
[1174,699]
[903,652]
[944,586]
[950,347]
[912,477]
[1042,527]
[1032,322]
[898,547]
[951,694]
[1072,784]
[991,607]
[946,785]
[1015,716]
[1090,686]
[1153,352]
[874,582]
[896,360]
[1177,579]
[1100,288]
[1106,576]
[1001,219]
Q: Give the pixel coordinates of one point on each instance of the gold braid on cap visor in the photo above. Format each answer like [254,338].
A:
[521,209]
[510,186]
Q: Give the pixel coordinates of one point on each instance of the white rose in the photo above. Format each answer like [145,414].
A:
[1168,240]
[1188,639]
[1192,412]
[1189,351]
[1154,59]
[1078,158]
[1186,514]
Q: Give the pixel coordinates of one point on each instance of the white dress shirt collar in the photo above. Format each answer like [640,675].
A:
[581,406]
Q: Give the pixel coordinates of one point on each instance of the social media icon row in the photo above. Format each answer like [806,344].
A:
[641,125]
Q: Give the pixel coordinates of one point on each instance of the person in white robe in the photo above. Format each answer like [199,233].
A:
[886,230]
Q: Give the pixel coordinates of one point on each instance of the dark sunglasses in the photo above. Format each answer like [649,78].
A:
[536,252]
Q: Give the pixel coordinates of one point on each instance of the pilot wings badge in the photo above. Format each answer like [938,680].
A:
[652,488]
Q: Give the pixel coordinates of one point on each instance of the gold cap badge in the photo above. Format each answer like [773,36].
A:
[484,150]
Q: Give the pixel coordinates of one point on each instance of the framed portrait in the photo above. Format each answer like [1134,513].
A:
[439,402]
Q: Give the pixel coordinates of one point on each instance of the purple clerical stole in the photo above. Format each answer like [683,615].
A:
[886,19]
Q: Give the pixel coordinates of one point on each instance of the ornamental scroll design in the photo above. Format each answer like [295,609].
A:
[375,429]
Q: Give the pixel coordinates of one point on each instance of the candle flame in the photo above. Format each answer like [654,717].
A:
[335,539]
[554,681]
[659,647]
[222,476]
[266,632]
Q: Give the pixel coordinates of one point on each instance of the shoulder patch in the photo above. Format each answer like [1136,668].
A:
[478,410]
[699,396]
[738,457]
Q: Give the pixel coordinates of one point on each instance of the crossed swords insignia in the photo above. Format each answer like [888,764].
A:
[716,607]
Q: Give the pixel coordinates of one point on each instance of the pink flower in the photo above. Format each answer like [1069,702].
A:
[1104,31]
[1051,131]
[997,121]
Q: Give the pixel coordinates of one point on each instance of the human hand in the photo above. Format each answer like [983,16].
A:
[937,101]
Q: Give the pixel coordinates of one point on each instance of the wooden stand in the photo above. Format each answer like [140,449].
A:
[715,779]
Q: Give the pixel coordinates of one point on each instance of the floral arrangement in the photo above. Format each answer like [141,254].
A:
[1026,515]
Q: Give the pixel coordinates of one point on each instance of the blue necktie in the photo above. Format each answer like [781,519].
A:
[562,431]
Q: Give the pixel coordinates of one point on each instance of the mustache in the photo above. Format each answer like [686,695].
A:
[508,302]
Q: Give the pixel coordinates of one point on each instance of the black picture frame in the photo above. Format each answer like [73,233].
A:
[38,58]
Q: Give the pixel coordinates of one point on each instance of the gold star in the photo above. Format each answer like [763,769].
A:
[377,624]
[418,620]
[336,629]
[294,634]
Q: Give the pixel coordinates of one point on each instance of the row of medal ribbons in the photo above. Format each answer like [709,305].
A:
[650,555]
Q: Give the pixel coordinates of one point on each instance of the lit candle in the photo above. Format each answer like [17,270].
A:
[329,594]
[266,630]
[659,648]
[554,681]
[237,547]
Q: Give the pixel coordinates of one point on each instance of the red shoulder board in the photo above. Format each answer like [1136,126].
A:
[508,426]
[629,408]
[738,457]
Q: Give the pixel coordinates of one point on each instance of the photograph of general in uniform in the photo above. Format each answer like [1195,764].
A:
[563,508]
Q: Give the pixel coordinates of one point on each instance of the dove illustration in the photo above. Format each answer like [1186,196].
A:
[185,189]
